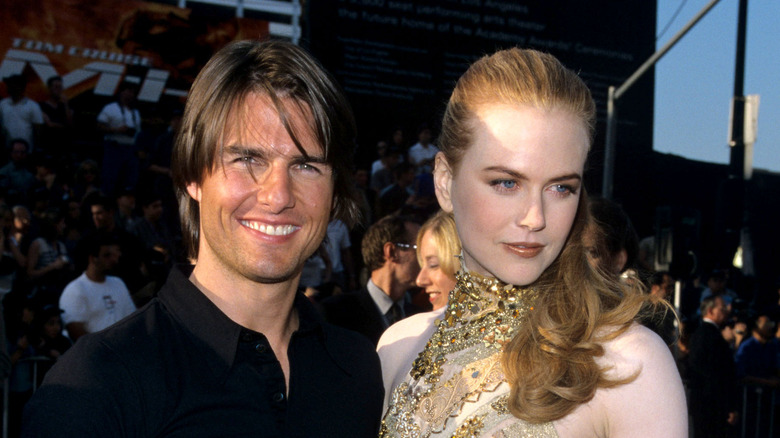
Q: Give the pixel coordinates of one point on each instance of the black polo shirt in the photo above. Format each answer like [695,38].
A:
[179,367]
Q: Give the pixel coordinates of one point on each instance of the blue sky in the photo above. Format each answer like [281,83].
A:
[695,80]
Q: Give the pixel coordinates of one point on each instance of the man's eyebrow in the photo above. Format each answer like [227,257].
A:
[236,149]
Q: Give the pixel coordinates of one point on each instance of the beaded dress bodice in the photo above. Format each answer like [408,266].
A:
[456,387]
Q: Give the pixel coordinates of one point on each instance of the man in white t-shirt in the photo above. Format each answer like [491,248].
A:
[21,117]
[96,300]
[421,155]
[120,122]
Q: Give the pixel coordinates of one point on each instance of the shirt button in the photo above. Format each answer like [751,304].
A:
[278,397]
[261,348]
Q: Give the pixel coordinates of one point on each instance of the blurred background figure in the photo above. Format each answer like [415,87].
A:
[661,285]
[610,238]
[56,132]
[438,248]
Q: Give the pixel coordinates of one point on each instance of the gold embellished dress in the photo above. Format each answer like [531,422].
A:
[456,387]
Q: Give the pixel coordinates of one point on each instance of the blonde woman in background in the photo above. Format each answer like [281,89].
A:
[534,341]
[437,249]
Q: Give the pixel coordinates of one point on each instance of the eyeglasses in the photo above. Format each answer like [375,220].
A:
[406,246]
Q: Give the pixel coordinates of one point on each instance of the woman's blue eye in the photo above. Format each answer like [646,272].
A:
[564,189]
[504,183]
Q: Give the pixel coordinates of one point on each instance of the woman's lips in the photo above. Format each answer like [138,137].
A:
[525,250]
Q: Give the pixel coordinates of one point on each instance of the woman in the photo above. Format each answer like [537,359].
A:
[437,247]
[534,341]
[48,264]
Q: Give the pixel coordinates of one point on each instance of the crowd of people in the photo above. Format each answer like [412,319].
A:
[87,234]
[463,268]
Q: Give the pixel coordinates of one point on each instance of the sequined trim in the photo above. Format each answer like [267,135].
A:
[457,387]
[480,310]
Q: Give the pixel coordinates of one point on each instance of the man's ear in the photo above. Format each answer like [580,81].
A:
[388,250]
[193,189]
[442,182]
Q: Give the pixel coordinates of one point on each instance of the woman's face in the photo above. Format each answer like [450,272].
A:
[432,278]
[516,190]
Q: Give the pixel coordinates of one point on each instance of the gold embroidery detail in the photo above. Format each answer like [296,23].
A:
[501,404]
[470,428]
[480,309]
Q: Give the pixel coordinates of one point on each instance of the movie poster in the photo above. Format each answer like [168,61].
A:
[96,44]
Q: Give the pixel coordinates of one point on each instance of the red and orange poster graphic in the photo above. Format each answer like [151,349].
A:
[96,44]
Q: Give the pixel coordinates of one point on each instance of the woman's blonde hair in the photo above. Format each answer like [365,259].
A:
[445,238]
[550,363]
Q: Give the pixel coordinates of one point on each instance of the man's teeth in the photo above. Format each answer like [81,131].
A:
[279,230]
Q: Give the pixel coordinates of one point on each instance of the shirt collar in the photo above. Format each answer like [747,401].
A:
[210,326]
[381,299]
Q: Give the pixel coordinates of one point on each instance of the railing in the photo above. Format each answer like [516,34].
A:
[760,405]
[34,362]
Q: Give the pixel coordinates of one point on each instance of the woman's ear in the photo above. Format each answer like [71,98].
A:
[442,181]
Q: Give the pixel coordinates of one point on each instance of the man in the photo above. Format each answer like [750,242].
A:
[228,348]
[104,212]
[151,229]
[716,285]
[57,131]
[15,177]
[339,251]
[421,155]
[21,117]
[662,285]
[390,256]
[757,356]
[96,300]
[757,365]
[712,377]
[120,122]
[393,197]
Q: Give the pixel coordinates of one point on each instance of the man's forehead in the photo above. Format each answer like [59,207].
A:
[255,124]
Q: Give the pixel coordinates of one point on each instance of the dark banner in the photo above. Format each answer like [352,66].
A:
[398,60]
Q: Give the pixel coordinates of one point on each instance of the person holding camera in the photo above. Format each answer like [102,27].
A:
[120,121]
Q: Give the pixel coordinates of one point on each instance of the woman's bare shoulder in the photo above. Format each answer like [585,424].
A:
[635,408]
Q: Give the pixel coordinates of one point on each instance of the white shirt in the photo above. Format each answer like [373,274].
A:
[19,118]
[419,153]
[97,305]
[115,116]
[338,240]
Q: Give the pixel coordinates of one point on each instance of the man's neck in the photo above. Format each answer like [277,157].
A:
[264,308]
[95,274]
[383,278]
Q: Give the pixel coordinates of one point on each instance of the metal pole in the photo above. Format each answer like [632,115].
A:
[609,149]
[609,146]
[735,207]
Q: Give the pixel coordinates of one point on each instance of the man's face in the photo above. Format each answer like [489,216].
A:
[765,327]
[264,208]
[153,212]
[720,313]
[18,153]
[665,290]
[406,266]
[107,258]
[716,284]
[101,217]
